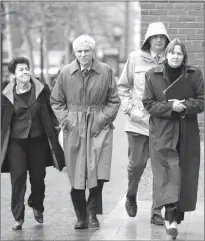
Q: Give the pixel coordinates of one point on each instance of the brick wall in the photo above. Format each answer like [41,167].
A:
[184,20]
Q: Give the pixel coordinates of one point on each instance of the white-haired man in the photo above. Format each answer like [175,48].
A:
[85,100]
[131,87]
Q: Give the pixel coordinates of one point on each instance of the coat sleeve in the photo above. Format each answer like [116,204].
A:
[3,106]
[161,109]
[58,100]
[51,113]
[196,105]
[125,85]
[113,100]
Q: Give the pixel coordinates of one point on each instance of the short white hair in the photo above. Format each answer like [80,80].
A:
[84,39]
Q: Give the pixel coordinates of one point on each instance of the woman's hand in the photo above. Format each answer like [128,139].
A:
[178,105]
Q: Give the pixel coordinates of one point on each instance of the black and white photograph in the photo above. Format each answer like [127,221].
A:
[102,120]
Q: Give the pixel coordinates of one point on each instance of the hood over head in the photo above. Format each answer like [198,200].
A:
[154,29]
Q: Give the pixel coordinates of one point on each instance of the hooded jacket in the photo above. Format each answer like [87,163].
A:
[132,82]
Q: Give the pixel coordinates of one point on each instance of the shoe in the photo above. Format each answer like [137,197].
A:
[157,220]
[173,232]
[18,225]
[81,224]
[38,215]
[93,222]
[131,206]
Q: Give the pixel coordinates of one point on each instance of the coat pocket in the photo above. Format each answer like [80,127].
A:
[98,123]
[139,115]
[70,121]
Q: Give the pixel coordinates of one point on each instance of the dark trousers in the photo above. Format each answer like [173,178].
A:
[27,154]
[92,205]
[172,213]
[138,153]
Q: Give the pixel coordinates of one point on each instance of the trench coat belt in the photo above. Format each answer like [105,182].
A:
[85,108]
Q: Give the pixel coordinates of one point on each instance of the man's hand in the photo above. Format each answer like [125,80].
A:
[178,105]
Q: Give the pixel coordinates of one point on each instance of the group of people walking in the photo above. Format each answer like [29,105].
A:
[82,107]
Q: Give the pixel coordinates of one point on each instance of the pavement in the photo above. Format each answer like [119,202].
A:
[59,216]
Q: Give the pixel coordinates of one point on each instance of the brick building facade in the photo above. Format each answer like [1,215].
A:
[184,20]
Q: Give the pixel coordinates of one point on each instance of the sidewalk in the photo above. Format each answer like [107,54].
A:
[115,224]
[59,217]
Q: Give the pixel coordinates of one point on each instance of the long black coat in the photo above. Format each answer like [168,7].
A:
[175,171]
[56,154]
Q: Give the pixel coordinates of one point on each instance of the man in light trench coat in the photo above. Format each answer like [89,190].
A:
[85,100]
[131,89]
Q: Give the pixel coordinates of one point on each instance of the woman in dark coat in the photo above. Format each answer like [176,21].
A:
[174,134]
[29,138]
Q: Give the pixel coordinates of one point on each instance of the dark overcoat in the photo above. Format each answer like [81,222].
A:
[174,138]
[50,123]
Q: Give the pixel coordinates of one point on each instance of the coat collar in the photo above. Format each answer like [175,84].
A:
[146,55]
[161,69]
[74,66]
[8,90]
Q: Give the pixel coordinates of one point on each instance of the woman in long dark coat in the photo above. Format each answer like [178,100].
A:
[29,138]
[174,134]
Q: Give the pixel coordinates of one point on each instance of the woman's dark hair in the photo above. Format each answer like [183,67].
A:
[19,60]
[171,46]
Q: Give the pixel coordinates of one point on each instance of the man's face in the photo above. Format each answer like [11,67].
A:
[84,54]
[158,42]
[22,73]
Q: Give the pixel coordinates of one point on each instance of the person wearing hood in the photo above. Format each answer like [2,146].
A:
[131,89]
[29,138]
[85,100]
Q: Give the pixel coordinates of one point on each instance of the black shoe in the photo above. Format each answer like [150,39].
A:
[93,222]
[131,206]
[81,224]
[18,225]
[157,220]
[38,215]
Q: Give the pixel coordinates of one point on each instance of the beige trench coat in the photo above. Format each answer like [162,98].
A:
[131,89]
[131,84]
[88,106]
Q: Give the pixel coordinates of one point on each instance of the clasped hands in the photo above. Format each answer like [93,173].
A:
[178,105]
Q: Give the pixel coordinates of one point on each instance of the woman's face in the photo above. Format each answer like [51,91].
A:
[176,57]
[22,73]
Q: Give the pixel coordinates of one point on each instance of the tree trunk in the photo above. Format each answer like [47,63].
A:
[46,57]
[30,50]
[8,38]
[66,45]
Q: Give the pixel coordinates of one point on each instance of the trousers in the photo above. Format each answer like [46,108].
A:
[172,213]
[92,205]
[27,154]
[138,154]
